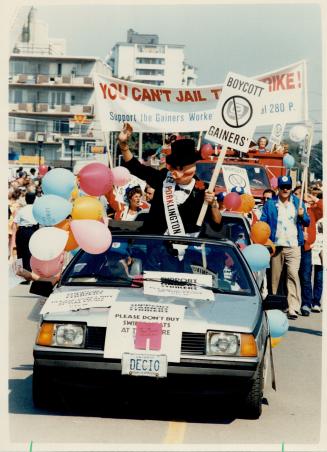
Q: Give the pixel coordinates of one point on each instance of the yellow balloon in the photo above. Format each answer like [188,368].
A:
[275,341]
[87,208]
[74,193]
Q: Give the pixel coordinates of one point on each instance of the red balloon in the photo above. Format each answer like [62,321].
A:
[232,201]
[95,179]
[43,169]
[206,151]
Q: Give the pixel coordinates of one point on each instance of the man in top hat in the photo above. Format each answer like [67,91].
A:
[178,195]
[286,218]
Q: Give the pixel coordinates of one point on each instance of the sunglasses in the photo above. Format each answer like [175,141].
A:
[285,187]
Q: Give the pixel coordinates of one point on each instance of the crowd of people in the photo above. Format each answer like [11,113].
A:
[170,204]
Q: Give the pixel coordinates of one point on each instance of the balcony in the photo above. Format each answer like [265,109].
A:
[46,81]
[31,137]
[46,109]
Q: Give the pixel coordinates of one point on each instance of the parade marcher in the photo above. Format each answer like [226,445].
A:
[178,196]
[317,262]
[314,209]
[286,219]
[24,226]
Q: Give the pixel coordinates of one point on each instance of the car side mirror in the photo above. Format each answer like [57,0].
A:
[275,302]
[44,288]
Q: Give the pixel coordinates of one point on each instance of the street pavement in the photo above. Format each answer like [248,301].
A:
[291,415]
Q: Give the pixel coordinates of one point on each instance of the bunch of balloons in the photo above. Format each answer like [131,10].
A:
[278,326]
[71,221]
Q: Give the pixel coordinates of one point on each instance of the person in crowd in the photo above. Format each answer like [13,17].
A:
[178,196]
[24,225]
[149,192]
[266,195]
[127,211]
[315,212]
[31,276]
[33,175]
[317,262]
[262,144]
[13,206]
[286,219]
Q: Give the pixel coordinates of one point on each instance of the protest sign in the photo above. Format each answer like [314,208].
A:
[80,299]
[277,133]
[133,182]
[146,327]
[305,156]
[235,119]
[163,109]
[235,176]
[182,285]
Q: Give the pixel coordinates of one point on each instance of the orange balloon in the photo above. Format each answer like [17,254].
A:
[71,243]
[74,193]
[247,203]
[87,208]
[272,245]
[275,341]
[260,232]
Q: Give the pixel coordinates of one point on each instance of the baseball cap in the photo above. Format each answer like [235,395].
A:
[238,190]
[284,181]
[221,196]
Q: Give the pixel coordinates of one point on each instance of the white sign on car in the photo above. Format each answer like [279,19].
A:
[235,176]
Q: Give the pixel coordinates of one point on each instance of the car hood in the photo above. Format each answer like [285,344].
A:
[225,312]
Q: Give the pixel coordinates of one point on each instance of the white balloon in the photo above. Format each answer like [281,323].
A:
[297,133]
[47,243]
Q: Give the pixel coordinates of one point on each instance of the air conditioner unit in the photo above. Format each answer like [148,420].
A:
[42,79]
[21,135]
[22,78]
[41,108]
[57,137]
[88,81]
[66,79]
[65,108]
[22,107]
[87,108]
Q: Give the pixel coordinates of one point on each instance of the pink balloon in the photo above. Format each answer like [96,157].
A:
[43,169]
[232,201]
[274,182]
[206,151]
[47,268]
[121,176]
[92,236]
[95,179]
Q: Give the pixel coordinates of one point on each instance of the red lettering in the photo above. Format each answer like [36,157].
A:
[290,80]
[198,96]
[279,82]
[114,94]
[104,90]
[135,93]
[167,93]
[146,95]
[216,92]
[188,97]
[155,95]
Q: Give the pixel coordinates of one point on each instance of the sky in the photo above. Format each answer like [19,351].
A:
[245,38]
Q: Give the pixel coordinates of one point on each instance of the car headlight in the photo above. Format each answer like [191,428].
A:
[230,344]
[61,335]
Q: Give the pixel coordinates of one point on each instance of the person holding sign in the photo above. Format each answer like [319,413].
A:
[178,195]
[286,219]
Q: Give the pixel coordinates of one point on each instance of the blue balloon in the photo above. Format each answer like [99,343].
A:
[49,210]
[258,257]
[58,181]
[288,161]
[278,323]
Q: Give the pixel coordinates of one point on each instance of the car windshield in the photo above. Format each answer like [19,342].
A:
[127,260]
[256,174]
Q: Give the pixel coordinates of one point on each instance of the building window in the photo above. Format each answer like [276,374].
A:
[150,61]
[150,72]
[151,49]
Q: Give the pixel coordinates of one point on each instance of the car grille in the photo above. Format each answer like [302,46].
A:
[192,343]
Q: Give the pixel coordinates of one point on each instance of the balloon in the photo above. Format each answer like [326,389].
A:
[74,193]
[288,161]
[47,268]
[95,179]
[43,169]
[275,341]
[48,210]
[232,201]
[120,176]
[58,181]
[47,243]
[257,256]
[206,151]
[71,242]
[272,245]
[247,203]
[87,208]
[278,323]
[91,235]
[297,133]
[260,232]
[274,182]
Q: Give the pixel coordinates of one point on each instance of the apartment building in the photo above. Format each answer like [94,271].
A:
[143,59]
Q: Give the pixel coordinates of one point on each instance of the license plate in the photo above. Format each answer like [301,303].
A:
[144,365]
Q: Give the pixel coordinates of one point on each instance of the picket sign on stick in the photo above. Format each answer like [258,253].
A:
[305,162]
[212,184]
[199,141]
[110,162]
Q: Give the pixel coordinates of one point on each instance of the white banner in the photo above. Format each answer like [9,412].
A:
[80,299]
[145,328]
[236,117]
[149,108]
[235,176]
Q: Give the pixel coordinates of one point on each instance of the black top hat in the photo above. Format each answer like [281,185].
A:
[182,153]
